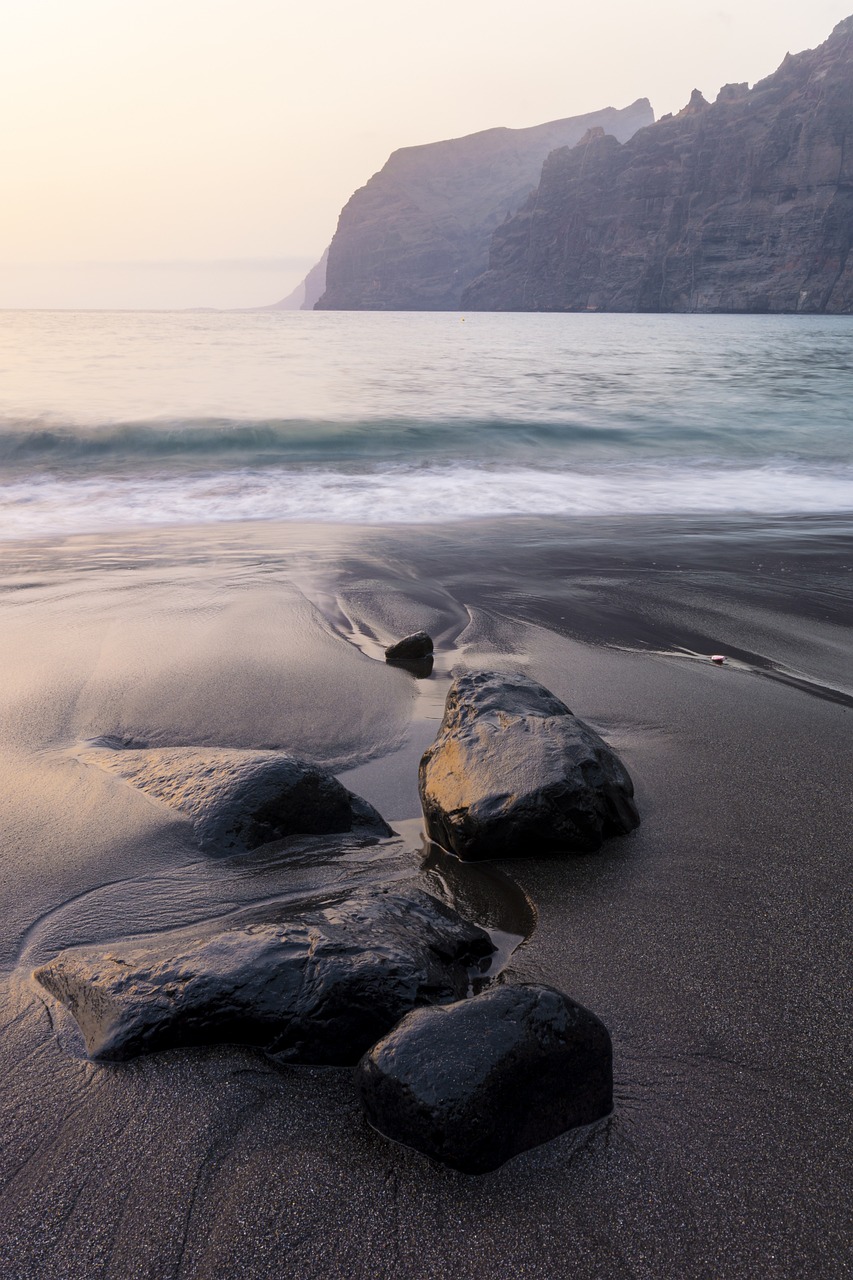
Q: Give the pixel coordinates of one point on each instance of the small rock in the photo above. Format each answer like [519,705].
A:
[238,800]
[319,986]
[411,648]
[477,1082]
[719,658]
[513,772]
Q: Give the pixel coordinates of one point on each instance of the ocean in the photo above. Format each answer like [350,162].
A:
[115,420]
[211,525]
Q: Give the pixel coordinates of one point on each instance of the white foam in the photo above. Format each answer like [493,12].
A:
[46,506]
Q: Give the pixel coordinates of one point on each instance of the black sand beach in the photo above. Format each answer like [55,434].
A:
[712,941]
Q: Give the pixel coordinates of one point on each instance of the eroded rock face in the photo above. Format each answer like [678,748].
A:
[319,987]
[474,1083]
[238,800]
[743,205]
[513,773]
[418,231]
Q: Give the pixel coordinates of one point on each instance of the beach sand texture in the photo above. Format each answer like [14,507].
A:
[711,941]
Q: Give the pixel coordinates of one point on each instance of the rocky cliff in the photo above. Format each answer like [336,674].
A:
[743,205]
[308,291]
[418,232]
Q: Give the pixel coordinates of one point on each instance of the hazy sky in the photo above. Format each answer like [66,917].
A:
[197,152]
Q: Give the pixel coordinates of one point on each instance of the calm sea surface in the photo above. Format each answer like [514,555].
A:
[114,420]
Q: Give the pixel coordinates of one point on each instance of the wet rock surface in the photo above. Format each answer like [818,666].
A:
[513,772]
[474,1083]
[413,648]
[239,800]
[315,987]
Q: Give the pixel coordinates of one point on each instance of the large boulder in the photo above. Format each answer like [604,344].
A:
[513,772]
[238,800]
[477,1082]
[318,987]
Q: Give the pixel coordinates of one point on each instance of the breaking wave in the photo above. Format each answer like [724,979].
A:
[50,505]
[112,421]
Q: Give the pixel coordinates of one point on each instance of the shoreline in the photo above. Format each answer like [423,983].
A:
[709,940]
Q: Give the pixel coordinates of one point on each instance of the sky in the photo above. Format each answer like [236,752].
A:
[173,153]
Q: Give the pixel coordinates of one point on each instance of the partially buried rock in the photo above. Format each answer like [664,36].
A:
[513,772]
[318,987]
[413,648]
[238,800]
[475,1083]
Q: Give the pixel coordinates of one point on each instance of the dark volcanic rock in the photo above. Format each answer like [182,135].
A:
[318,987]
[238,800]
[418,232]
[413,648]
[475,1083]
[513,772]
[745,205]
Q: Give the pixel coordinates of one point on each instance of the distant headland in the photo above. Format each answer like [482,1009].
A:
[418,232]
[742,205]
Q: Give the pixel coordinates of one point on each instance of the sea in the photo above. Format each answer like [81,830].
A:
[117,420]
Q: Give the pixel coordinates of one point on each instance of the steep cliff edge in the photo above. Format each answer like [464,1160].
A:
[307,292]
[418,232]
[745,205]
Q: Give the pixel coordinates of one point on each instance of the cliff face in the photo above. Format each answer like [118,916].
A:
[419,231]
[745,205]
[307,292]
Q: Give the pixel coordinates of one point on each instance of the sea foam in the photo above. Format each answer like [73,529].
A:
[48,506]
[110,421]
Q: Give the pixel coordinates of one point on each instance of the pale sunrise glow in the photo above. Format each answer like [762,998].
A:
[203,133]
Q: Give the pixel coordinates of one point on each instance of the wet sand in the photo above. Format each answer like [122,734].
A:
[711,941]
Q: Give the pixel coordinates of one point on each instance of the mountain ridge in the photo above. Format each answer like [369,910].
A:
[418,231]
[741,205]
